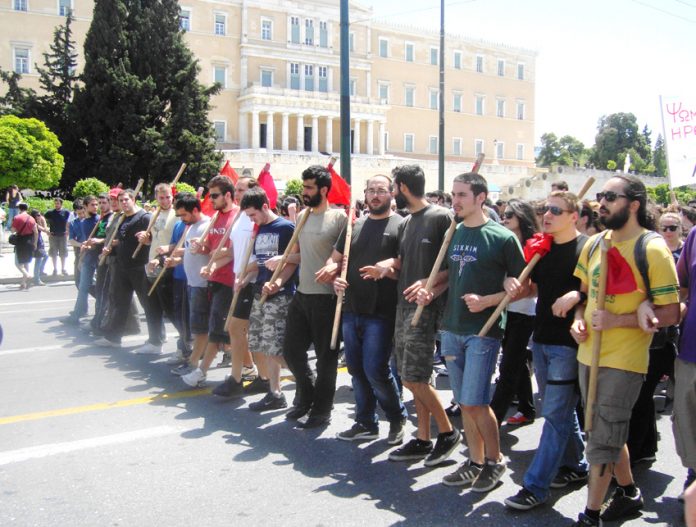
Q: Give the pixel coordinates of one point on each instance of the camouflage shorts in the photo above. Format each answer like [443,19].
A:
[267,324]
[414,347]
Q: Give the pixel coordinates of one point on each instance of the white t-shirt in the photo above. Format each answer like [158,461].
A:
[240,236]
[193,263]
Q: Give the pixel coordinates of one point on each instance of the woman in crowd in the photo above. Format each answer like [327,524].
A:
[40,255]
[13,197]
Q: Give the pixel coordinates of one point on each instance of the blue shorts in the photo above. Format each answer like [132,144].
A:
[470,362]
[199,310]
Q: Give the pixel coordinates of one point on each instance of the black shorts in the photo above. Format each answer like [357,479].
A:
[245,300]
[220,299]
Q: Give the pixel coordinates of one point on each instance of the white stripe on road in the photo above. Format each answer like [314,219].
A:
[36,302]
[41,451]
[55,308]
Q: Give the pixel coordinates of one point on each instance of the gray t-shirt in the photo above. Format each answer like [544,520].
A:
[317,241]
[193,263]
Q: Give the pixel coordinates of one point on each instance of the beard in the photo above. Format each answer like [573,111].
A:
[401,202]
[616,220]
[312,201]
[379,209]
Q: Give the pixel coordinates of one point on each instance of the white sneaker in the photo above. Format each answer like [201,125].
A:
[148,349]
[176,358]
[195,378]
[249,373]
[106,343]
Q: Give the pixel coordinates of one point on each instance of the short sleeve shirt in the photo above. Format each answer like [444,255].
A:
[224,274]
[686,271]
[317,240]
[58,221]
[272,240]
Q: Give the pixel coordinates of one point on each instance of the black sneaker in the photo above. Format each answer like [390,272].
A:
[296,412]
[70,321]
[620,505]
[585,521]
[445,445]
[357,432]
[228,388]
[466,474]
[523,500]
[490,475]
[258,385]
[567,476]
[454,410]
[396,432]
[315,421]
[413,450]
[269,402]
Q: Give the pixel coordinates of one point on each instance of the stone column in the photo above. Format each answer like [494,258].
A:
[329,134]
[300,133]
[356,136]
[370,138]
[243,130]
[285,139]
[315,133]
[269,131]
[255,129]
[380,148]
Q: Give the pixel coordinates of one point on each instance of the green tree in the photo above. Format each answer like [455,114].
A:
[660,194]
[293,187]
[550,150]
[16,100]
[29,154]
[617,133]
[566,151]
[89,187]
[660,157]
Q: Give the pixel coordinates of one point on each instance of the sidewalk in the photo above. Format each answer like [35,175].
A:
[9,274]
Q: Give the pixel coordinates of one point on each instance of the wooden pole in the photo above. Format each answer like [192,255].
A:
[344,273]
[110,240]
[154,217]
[583,190]
[597,337]
[91,235]
[222,240]
[178,245]
[288,249]
[243,274]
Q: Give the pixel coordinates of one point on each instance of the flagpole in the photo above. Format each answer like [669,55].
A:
[345,93]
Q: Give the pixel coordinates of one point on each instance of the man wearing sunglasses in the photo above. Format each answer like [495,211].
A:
[627,325]
[559,459]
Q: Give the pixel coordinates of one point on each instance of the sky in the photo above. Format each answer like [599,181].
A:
[595,57]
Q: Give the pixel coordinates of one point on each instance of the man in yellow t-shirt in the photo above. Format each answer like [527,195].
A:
[627,324]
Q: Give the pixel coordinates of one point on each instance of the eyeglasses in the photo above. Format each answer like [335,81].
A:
[556,211]
[609,196]
[380,192]
[508,214]
[214,195]
[671,228]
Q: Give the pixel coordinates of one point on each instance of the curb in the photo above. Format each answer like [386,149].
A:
[46,280]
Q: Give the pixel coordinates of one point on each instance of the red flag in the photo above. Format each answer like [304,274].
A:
[340,189]
[620,277]
[228,172]
[539,244]
[266,182]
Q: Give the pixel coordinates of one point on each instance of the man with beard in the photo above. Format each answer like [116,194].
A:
[368,315]
[310,314]
[627,324]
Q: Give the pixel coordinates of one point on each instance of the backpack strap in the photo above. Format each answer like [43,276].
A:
[640,254]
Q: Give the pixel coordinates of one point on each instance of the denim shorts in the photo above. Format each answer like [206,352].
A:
[470,362]
[199,310]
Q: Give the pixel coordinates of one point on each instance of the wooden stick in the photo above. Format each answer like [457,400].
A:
[208,227]
[344,273]
[110,240]
[242,276]
[178,246]
[222,240]
[443,250]
[154,217]
[673,198]
[597,337]
[288,249]
[583,190]
[91,235]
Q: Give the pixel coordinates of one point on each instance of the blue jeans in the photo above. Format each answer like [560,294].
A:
[561,444]
[89,266]
[368,344]
[39,264]
[470,362]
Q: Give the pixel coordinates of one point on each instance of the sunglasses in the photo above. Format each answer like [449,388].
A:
[556,211]
[508,214]
[671,228]
[609,196]
[214,195]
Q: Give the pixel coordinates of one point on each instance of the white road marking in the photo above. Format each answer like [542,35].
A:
[52,449]
[32,302]
[36,310]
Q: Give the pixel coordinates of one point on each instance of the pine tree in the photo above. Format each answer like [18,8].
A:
[16,100]
[660,157]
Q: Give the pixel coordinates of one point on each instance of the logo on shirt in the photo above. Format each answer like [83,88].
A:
[464,254]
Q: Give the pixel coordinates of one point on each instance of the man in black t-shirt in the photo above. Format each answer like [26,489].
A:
[58,236]
[368,315]
[559,460]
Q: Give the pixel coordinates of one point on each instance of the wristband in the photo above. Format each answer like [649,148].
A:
[583,297]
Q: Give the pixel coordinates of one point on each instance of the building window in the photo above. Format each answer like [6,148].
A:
[351,42]
[353,87]
[323,34]
[309,31]
[386,141]
[520,152]
[309,77]
[501,68]
[457,60]
[22,57]
[478,147]
[220,76]
[220,131]
[266,29]
[20,5]
[410,96]
[294,76]
[323,79]
[409,140]
[64,7]
[520,111]
[383,48]
[520,72]
[457,102]
[479,64]
[434,52]
[457,146]
[500,107]
[220,23]
[433,98]
[500,150]
[295,29]
[409,52]
[383,88]
[185,19]
[432,144]
[266,78]
[480,105]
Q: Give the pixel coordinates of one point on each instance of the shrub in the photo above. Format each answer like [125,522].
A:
[185,187]
[45,204]
[89,187]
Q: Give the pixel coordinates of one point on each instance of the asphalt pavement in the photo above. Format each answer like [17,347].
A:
[95,436]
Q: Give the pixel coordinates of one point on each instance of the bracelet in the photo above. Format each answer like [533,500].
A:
[583,297]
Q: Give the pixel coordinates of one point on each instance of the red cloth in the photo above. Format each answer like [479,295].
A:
[224,274]
[620,279]
[266,182]
[229,172]
[23,224]
[340,189]
[539,244]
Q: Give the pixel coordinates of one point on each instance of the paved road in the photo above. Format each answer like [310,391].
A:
[92,436]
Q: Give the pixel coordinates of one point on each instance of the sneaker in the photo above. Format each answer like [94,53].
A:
[194,378]
[65,273]
[269,402]
[454,410]
[585,521]
[445,445]
[249,373]
[643,459]
[315,421]
[296,412]
[567,476]
[226,361]
[228,388]
[523,500]
[490,475]
[466,474]
[620,505]
[357,432]
[396,432]
[148,349]
[519,419]
[413,450]
[182,370]
[106,343]
[258,385]
[177,358]
[70,321]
